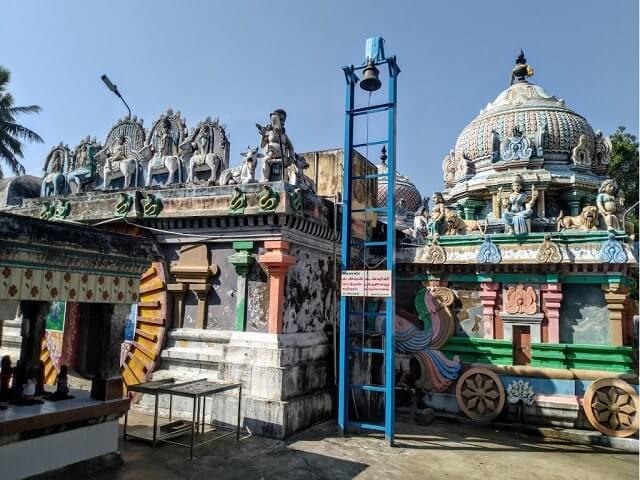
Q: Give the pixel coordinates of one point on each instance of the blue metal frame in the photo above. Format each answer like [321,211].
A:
[344,385]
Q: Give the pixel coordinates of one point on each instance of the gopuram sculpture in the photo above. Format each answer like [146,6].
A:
[436,220]
[53,181]
[82,170]
[517,210]
[276,147]
[124,148]
[206,149]
[165,138]
[245,173]
[610,205]
[421,223]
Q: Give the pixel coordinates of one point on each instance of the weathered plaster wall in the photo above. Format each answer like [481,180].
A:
[310,293]
[467,310]
[584,317]
[257,299]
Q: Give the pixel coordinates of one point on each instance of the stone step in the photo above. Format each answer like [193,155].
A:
[193,355]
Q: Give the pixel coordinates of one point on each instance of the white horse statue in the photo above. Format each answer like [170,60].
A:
[245,173]
[165,138]
[119,163]
[164,163]
[202,151]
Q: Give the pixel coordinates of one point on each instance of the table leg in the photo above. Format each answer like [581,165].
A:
[170,405]
[198,415]
[155,421]
[238,424]
[204,409]
[193,427]
[126,419]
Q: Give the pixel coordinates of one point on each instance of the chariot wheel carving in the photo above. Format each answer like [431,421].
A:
[611,406]
[480,394]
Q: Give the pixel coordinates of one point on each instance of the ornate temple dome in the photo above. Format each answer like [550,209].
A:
[526,123]
[405,189]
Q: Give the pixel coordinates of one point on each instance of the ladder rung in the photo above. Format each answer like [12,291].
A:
[370,144]
[371,388]
[371,109]
[375,244]
[370,209]
[368,350]
[367,426]
[367,314]
[369,176]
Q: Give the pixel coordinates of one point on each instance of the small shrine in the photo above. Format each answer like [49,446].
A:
[518,272]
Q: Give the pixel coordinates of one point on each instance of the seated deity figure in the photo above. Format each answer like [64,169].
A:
[436,222]
[204,154]
[516,208]
[610,205]
[117,152]
[276,146]
[83,169]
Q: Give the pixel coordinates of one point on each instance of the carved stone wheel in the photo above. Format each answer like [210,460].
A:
[480,394]
[611,406]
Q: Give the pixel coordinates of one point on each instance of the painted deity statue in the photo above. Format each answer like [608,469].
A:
[516,209]
[83,170]
[276,146]
[165,157]
[610,205]
[204,154]
[438,214]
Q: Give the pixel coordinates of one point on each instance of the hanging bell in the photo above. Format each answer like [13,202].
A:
[370,81]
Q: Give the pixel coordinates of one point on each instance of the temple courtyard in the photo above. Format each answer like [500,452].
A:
[431,452]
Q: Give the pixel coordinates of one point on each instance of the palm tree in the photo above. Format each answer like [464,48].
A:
[12,134]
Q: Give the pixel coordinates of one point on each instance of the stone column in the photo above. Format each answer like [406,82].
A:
[32,332]
[551,304]
[177,291]
[488,298]
[202,293]
[242,261]
[573,198]
[276,262]
[615,295]
[540,204]
[107,384]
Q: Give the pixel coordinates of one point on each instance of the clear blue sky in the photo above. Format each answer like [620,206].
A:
[241,59]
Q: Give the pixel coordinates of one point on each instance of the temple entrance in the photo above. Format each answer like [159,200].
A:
[521,345]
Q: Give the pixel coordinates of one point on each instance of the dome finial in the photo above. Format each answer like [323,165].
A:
[521,70]
[383,155]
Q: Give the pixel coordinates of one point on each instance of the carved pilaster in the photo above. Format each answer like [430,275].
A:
[276,262]
[615,295]
[551,304]
[488,298]
[242,261]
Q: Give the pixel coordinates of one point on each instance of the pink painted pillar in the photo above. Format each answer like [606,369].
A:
[276,262]
[551,303]
[488,297]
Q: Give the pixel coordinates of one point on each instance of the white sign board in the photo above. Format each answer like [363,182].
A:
[366,283]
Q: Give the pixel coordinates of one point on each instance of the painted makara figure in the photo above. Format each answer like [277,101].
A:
[517,210]
[276,146]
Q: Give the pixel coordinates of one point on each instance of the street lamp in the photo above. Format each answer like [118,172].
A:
[114,89]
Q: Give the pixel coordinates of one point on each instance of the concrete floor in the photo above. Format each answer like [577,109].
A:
[442,450]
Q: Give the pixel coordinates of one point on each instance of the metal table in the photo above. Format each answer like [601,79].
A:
[198,390]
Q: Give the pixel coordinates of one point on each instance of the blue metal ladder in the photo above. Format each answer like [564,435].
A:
[345,348]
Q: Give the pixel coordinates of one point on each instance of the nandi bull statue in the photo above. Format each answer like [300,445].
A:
[206,149]
[165,138]
[53,180]
[245,173]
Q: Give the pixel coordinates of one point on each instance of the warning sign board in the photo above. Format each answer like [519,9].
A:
[366,283]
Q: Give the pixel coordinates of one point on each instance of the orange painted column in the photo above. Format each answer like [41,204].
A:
[551,305]
[488,299]
[276,262]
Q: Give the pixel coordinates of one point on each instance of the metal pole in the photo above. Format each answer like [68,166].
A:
[155,421]
[390,411]
[193,428]
[238,424]
[345,254]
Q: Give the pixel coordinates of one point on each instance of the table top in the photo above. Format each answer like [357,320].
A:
[192,388]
